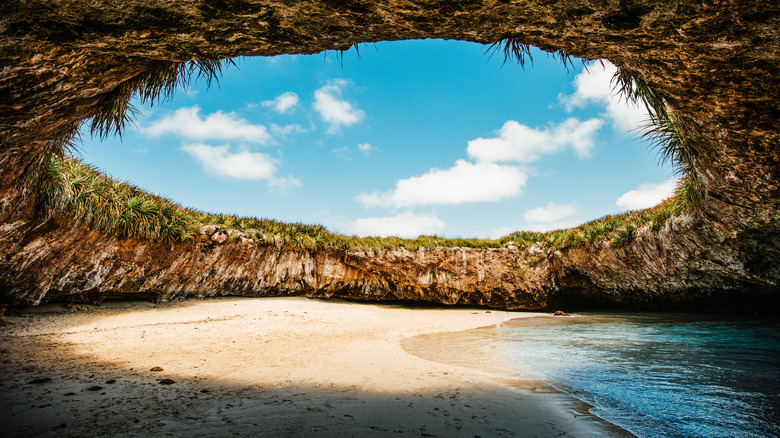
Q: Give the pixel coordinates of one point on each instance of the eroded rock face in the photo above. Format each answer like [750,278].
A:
[717,63]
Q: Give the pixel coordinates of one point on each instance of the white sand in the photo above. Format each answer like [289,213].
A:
[260,367]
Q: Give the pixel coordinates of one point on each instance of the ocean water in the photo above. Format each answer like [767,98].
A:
[654,375]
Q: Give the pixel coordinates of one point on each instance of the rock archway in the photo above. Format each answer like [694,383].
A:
[716,63]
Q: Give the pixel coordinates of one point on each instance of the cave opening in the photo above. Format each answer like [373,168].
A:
[401,139]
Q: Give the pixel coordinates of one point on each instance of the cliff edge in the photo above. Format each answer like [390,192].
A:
[716,65]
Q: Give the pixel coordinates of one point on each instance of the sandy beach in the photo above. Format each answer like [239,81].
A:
[260,367]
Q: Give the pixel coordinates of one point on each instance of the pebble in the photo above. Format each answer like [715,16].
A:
[94,388]
[167,382]
[156,369]
[39,380]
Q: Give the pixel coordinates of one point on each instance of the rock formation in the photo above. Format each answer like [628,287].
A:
[716,63]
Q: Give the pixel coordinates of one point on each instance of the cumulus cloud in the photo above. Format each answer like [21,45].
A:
[464,182]
[647,195]
[283,103]
[243,165]
[551,213]
[594,86]
[188,123]
[366,148]
[407,225]
[551,217]
[523,144]
[334,110]
[284,131]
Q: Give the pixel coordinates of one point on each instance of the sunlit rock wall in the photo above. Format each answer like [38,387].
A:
[717,63]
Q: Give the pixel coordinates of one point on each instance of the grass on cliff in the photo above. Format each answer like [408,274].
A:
[124,210]
[157,83]
[127,211]
[68,185]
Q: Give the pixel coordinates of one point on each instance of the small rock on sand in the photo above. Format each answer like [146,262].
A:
[167,382]
[70,307]
[156,369]
[39,381]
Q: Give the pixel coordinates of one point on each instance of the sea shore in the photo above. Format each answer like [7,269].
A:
[271,367]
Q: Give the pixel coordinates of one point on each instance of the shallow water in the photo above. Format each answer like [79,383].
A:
[655,375]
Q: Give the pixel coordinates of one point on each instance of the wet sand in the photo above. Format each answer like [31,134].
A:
[260,367]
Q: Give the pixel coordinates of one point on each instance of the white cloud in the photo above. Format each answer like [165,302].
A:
[333,109]
[464,182]
[501,232]
[244,165]
[647,195]
[407,225]
[187,123]
[283,131]
[551,217]
[282,103]
[551,213]
[520,143]
[594,86]
[366,148]
[284,183]
[342,152]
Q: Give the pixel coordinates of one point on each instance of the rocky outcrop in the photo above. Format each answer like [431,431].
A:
[717,64]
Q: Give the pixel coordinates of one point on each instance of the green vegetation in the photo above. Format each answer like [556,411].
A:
[668,134]
[109,205]
[514,50]
[620,229]
[666,131]
[157,83]
[127,211]
[68,185]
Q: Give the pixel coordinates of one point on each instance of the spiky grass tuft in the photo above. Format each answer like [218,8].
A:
[689,197]
[340,52]
[156,83]
[632,87]
[514,50]
[668,135]
[109,205]
[624,236]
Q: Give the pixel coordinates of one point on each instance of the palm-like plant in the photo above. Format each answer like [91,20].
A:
[514,50]
[668,134]
[156,83]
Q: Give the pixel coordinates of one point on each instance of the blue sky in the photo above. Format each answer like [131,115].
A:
[408,138]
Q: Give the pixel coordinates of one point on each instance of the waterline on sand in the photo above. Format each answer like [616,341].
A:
[651,374]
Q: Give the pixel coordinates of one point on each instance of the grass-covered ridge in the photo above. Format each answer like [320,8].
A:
[124,210]
[70,186]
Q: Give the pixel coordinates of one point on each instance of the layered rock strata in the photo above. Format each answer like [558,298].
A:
[716,63]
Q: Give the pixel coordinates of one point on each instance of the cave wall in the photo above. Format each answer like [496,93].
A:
[716,62]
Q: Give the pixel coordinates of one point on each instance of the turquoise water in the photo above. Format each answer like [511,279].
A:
[654,375]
